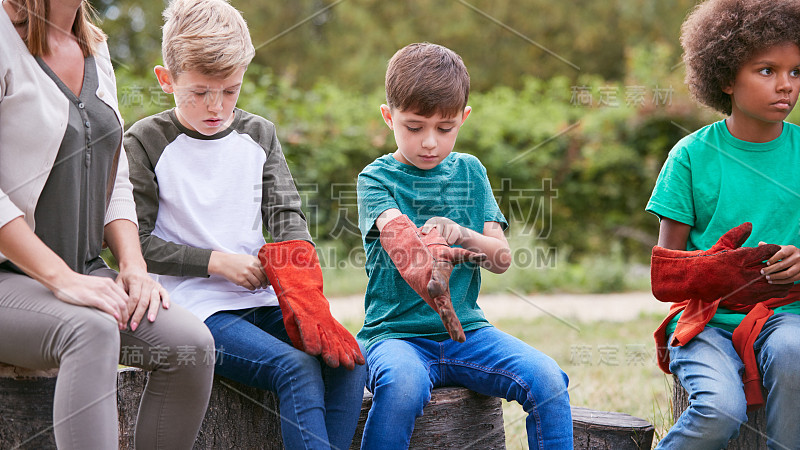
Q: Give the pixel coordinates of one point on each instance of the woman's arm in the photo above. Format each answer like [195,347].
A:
[22,247]
[144,293]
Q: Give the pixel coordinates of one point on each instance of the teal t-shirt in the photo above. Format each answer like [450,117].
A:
[457,189]
[713,182]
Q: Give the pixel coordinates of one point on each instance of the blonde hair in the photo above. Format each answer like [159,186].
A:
[207,36]
[33,15]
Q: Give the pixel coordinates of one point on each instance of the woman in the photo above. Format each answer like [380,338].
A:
[64,191]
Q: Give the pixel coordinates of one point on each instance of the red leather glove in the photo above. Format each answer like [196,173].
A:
[726,271]
[425,263]
[294,272]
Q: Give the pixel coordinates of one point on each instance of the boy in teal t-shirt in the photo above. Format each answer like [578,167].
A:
[425,194]
[743,60]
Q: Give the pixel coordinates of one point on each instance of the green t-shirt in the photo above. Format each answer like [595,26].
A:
[457,189]
[713,182]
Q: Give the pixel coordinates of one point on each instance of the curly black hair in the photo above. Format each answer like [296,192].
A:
[719,36]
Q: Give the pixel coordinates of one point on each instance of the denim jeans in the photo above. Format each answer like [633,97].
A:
[319,405]
[402,373]
[711,372]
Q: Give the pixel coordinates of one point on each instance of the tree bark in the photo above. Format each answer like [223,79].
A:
[26,408]
[454,418]
[603,430]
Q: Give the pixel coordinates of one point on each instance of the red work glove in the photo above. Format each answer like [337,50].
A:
[726,271]
[293,270]
[425,263]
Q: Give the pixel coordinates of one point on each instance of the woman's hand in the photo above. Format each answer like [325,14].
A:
[242,270]
[784,266]
[145,295]
[96,292]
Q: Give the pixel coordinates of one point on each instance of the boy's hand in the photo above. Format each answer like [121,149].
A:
[452,232]
[243,270]
[784,266]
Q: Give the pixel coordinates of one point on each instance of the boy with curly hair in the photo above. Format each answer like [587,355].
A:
[208,178]
[413,205]
[727,344]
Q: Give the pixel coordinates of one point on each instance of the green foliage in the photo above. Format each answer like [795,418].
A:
[349,42]
[573,176]
[572,156]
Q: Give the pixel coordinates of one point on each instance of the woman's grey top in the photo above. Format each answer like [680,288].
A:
[71,209]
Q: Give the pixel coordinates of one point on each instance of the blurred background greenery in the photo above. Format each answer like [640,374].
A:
[575,107]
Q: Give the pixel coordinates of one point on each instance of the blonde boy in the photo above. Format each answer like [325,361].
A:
[208,178]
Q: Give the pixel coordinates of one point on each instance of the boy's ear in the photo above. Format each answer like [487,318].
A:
[728,89]
[467,110]
[164,79]
[386,113]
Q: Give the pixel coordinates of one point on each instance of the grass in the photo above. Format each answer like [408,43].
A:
[611,366]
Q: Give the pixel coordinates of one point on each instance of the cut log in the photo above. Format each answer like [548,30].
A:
[603,430]
[238,416]
[752,434]
[26,408]
[454,418]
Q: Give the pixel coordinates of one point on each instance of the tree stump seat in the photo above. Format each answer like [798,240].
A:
[240,417]
[604,430]
[752,434]
[26,407]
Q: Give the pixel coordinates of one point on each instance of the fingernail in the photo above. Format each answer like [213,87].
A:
[762,271]
[133,326]
[768,277]
[151,317]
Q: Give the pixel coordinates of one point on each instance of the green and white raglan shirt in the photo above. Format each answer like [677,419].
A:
[197,193]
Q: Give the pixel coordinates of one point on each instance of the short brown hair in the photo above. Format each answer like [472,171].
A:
[33,15]
[425,79]
[207,36]
[719,36]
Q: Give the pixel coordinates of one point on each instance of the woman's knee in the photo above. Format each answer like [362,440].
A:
[91,332]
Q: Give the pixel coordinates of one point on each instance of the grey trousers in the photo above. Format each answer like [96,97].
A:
[39,331]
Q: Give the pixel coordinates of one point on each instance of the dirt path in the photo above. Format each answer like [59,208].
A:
[580,307]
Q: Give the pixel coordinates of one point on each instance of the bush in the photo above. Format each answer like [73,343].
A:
[572,174]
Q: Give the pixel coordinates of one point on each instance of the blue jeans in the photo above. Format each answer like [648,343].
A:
[710,370]
[402,373]
[319,405]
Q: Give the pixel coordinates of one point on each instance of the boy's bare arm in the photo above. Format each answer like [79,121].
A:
[492,241]
[386,216]
[673,234]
